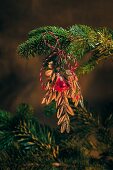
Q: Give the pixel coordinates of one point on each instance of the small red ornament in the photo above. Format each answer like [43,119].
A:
[60,84]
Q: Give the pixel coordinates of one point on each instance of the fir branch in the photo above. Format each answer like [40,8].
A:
[27,144]
[78,41]
[26,138]
[35,44]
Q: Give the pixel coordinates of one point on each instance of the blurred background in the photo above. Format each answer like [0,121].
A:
[19,79]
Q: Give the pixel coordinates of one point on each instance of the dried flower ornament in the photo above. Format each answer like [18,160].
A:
[61,86]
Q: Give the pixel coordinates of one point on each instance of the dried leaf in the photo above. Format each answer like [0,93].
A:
[47,93]
[67,128]
[50,98]
[65,99]
[59,101]
[48,86]
[54,95]
[67,118]
[48,73]
[63,127]
[74,84]
[76,102]
[62,108]
[53,77]
[69,110]
[59,112]
[48,101]
[58,96]
[43,100]
[61,120]
[69,94]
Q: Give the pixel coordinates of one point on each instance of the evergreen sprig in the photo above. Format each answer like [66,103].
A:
[24,139]
[35,44]
[26,144]
[78,40]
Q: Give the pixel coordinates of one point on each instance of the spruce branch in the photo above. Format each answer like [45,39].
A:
[77,40]
[35,44]
[25,139]
[27,144]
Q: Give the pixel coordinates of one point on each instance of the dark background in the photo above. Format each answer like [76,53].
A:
[19,79]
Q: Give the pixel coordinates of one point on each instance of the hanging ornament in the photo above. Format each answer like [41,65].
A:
[61,90]
[61,86]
